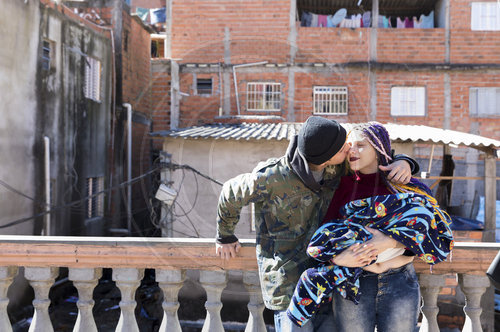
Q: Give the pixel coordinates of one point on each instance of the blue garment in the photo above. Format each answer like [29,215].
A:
[408,218]
[390,301]
[158,15]
[306,19]
[427,21]
[323,321]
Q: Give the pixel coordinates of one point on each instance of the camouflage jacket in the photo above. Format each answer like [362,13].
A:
[287,213]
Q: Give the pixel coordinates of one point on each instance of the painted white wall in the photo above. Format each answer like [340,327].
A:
[221,160]
[18,57]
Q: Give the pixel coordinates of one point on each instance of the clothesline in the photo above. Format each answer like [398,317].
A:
[341,20]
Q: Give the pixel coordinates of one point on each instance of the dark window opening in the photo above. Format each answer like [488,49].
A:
[204,86]
[46,50]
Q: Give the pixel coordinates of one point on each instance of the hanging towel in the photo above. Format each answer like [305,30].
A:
[400,24]
[417,24]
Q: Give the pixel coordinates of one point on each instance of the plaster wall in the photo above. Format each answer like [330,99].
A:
[18,65]
[220,160]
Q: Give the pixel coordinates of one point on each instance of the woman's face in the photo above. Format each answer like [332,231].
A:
[363,157]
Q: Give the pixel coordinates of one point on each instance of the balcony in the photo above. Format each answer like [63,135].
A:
[42,257]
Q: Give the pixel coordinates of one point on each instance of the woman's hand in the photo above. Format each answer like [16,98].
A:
[399,171]
[393,263]
[357,255]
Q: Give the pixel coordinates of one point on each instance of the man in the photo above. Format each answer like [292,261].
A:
[291,196]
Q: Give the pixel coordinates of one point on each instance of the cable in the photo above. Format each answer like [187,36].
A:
[177,166]
[123,184]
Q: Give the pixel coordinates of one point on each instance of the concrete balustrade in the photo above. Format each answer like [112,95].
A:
[128,257]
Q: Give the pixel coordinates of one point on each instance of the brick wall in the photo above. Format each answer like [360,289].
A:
[160,96]
[332,45]
[136,65]
[411,45]
[255,27]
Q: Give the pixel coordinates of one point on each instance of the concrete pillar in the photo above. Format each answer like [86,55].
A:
[473,287]
[256,304]
[168,32]
[127,280]
[174,95]
[7,273]
[490,196]
[41,279]
[170,282]
[430,286]
[214,283]
[85,280]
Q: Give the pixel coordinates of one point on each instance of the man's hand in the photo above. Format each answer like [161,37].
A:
[381,242]
[399,171]
[357,255]
[227,250]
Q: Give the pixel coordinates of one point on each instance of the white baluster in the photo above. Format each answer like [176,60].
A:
[85,280]
[430,286]
[127,280]
[214,283]
[256,304]
[473,287]
[41,279]
[170,282]
[7,273]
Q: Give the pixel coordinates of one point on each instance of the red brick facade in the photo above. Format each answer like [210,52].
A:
[229,33]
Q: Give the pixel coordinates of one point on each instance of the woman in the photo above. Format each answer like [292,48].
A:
[384,294]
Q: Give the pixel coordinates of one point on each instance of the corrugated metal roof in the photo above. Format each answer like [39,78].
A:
[286,130]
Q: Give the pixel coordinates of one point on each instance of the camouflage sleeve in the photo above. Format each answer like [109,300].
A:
[236,193]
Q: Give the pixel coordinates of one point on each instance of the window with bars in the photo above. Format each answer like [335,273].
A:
[95,203]
[330,100]
[263,96]
[484,102]
[485,16]
[92,86]
[46,54]
[204,86]
[408,101]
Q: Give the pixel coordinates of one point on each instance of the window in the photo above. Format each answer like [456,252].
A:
[92,87]
[330,100]
[204,86]
[95,203]
[485,16]
[46,54]
[408,101]
[484,102]
[263,96]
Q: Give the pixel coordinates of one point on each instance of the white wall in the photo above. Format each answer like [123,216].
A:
[18,57]
[221,160]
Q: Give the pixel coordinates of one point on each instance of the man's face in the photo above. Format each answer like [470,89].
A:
[340,156]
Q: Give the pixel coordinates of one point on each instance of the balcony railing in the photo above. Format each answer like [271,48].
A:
[171,257]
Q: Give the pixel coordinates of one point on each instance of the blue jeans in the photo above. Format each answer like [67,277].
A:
[390,301]
[322,321]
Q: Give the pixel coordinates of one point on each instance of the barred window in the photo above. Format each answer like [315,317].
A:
[46,54]
[95,202]
[484,102]
[408,101]
[330,100]
[92,86]
[263,96]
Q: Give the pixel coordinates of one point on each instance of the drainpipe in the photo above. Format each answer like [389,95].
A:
[46,228]
[235,82]
[129,166]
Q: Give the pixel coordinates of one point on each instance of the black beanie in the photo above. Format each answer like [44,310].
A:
[320,139]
